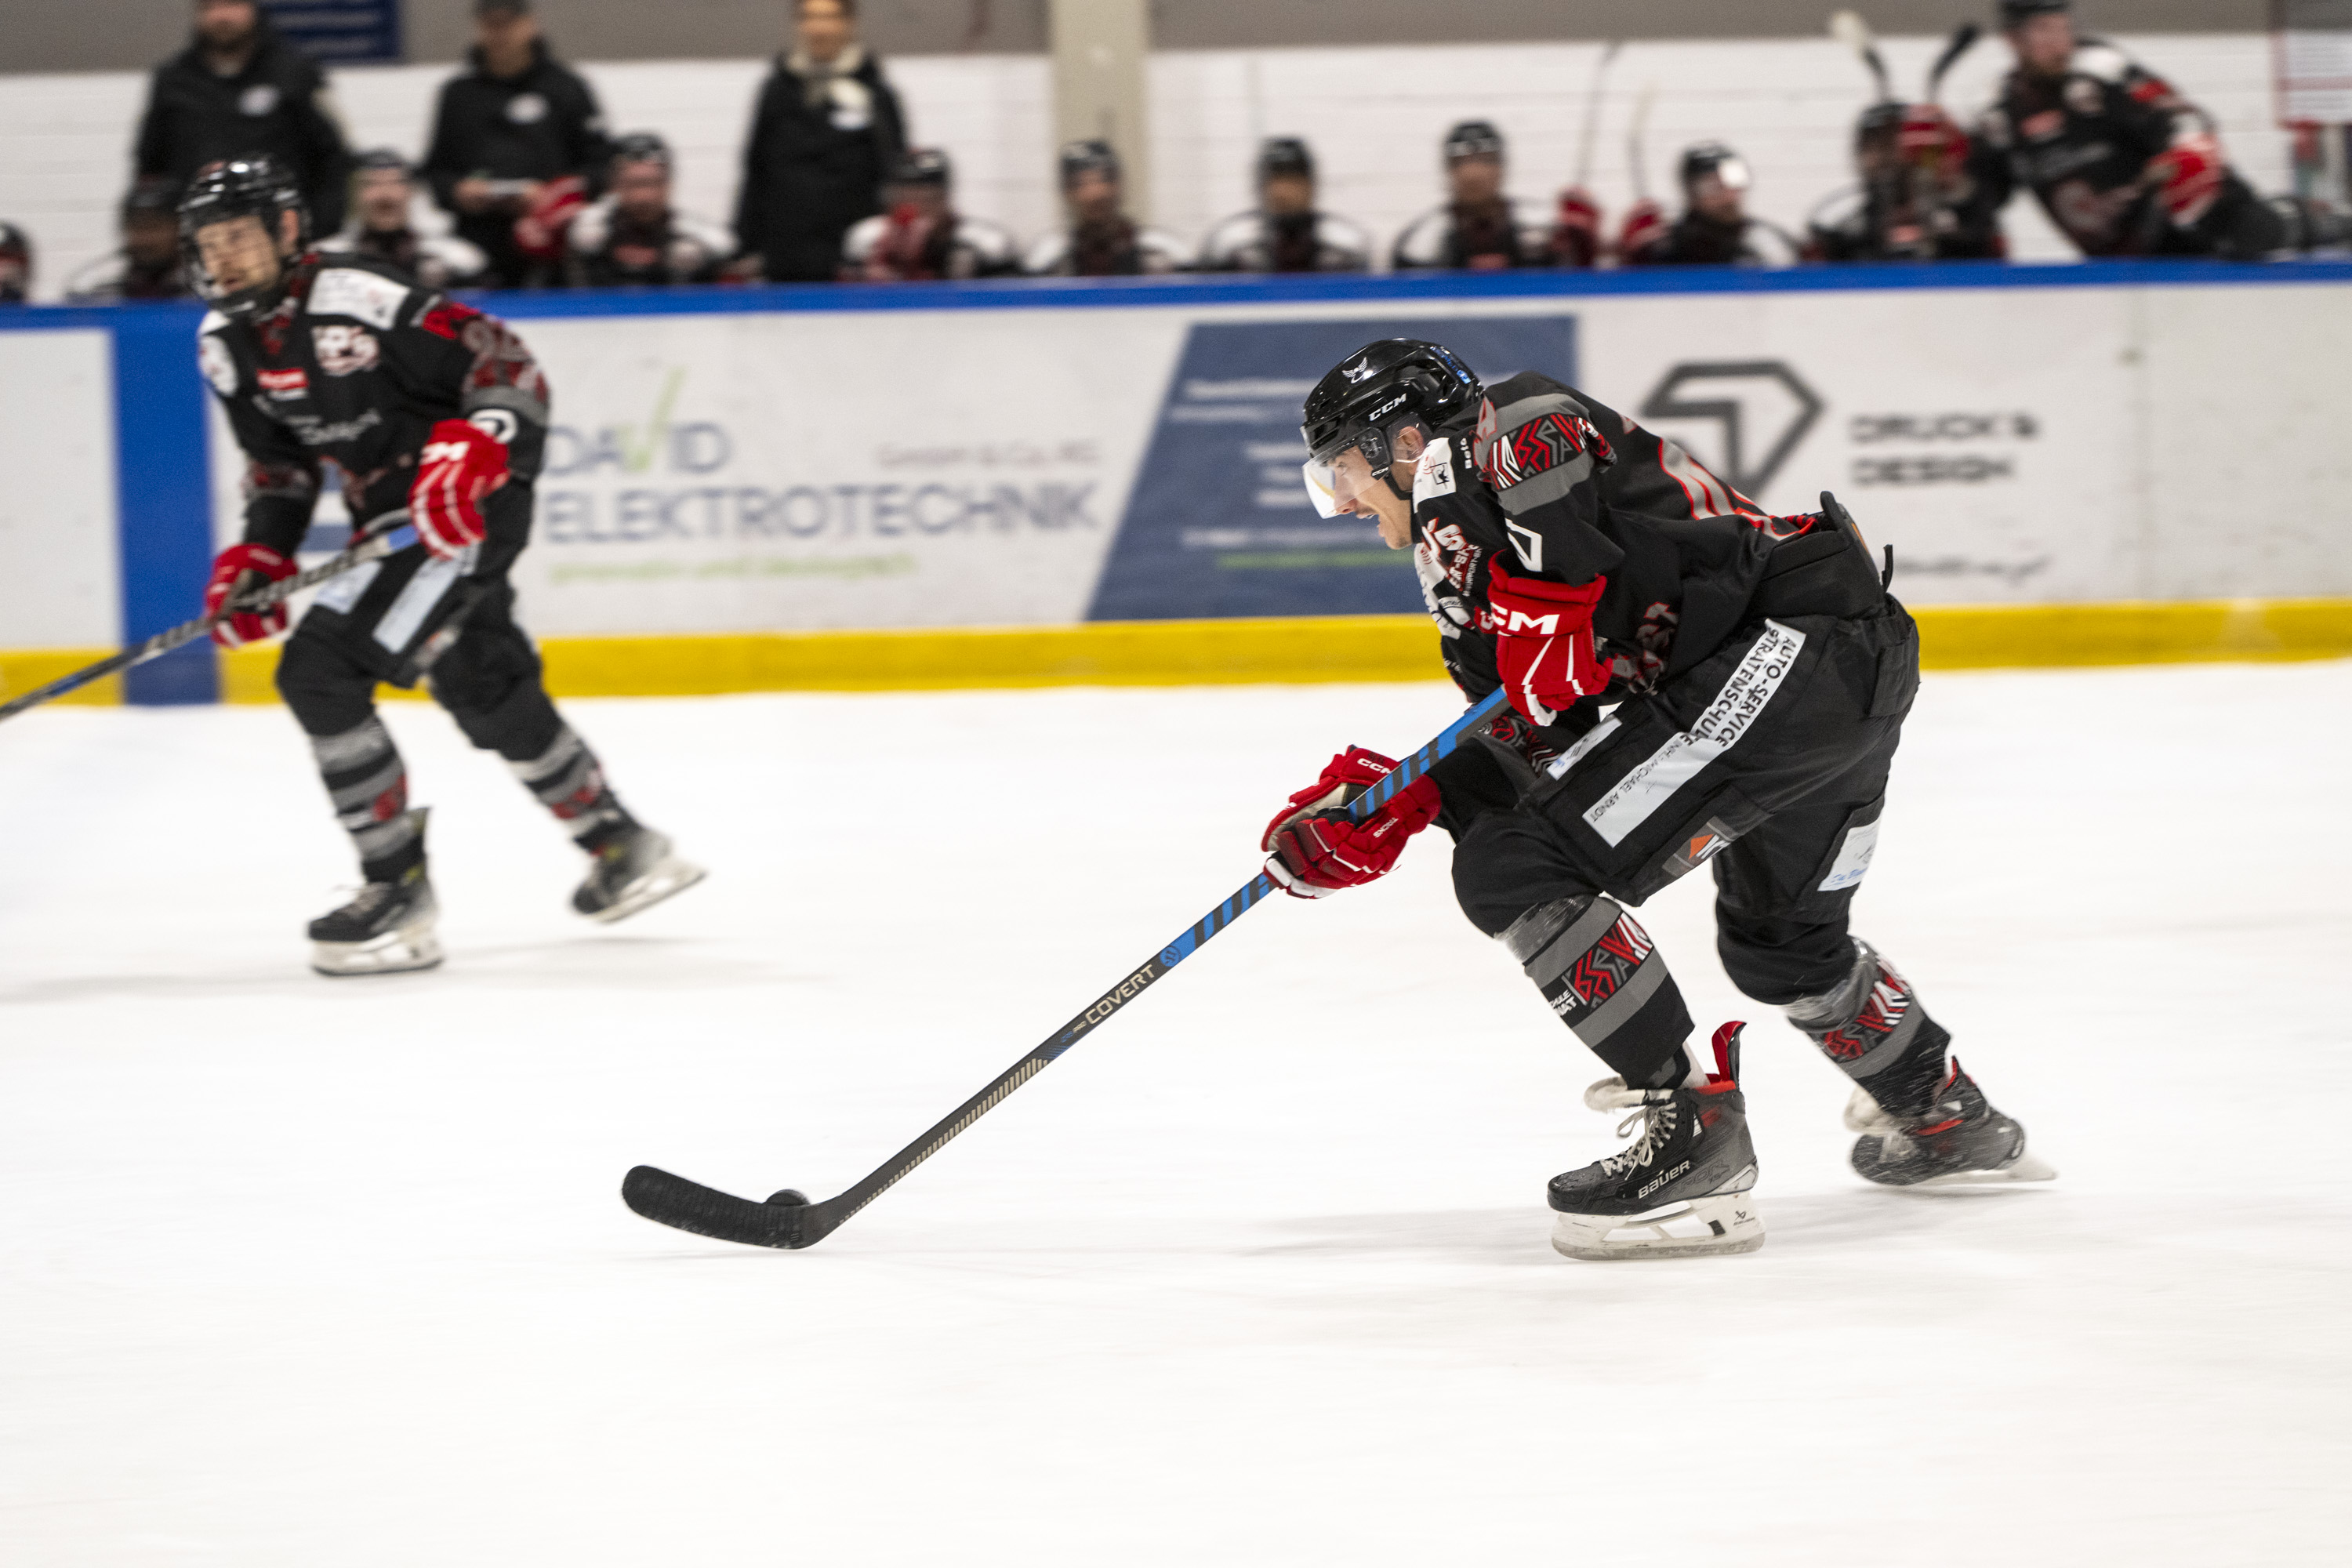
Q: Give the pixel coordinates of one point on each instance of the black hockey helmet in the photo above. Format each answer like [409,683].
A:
[1473,139]
[152,195]
[241,187]
[2017,13]
[16,265]
[924,166]
[1280,155]
[640,147]
[1365,396]
[384,158]
[1087,157]
[1714,158]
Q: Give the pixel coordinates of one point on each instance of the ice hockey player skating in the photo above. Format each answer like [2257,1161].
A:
[427,406]
[1691,680]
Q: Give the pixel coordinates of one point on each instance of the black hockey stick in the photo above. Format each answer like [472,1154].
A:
[1964,37]
[373,548]
[789,1220]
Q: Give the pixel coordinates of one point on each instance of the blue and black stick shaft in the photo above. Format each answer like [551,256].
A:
[789,1220]
[374,547]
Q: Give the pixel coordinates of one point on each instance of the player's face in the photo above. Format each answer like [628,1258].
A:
[1093,195]
[1354,492]
[383,199]
[238,253]
[641,189]
[225,24]
[825,28]
[2044,43]
[919,204]
[1286,196]
[1715,198]
[151,238]
[1475,181]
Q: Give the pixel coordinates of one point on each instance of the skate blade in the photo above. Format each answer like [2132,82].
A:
[1723,1222]
[2027,1167]
[393,953]
[670,877]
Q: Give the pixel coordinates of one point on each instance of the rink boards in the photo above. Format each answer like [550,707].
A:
[1066,481]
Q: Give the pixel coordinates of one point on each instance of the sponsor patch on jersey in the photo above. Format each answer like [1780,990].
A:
[364,296]
[257,100]
[526,109]
[1434,477]
[291,382]
[2083,96]
[343,350]
[2040,127]
[218,365]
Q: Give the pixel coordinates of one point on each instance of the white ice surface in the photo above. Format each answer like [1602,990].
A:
[300,1272]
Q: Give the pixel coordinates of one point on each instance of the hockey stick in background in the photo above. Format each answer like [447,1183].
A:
[374,547]
[1964,37]
[789,1220]
[1848,29]
[1633,140]
[1592,114]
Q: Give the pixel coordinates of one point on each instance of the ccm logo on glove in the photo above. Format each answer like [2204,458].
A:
[459,467]
[1318,848]
[1543,641]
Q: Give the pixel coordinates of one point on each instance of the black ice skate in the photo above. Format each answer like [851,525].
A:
[634,870]
[387,929]
[1958,1140]
[1684,1186]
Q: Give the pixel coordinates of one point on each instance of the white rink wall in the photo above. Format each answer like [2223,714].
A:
[1787,104]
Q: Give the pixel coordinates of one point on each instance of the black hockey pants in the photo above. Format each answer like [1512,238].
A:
[411,617]
[1769,758]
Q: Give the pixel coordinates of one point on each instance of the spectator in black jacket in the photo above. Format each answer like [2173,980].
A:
[16,266]
[238,90]
[827,132]
[518,141]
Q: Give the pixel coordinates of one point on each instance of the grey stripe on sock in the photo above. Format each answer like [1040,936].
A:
[375,843]
[351,796]
[560,750]
[1889,1050]
[1575,941]
[1606,1019]
[352,748]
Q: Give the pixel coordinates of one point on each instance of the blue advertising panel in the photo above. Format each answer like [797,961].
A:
[1218,523]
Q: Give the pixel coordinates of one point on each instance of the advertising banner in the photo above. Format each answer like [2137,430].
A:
[60,576]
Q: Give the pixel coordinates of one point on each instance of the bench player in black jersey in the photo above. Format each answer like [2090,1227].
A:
[1690,680]
[423,405]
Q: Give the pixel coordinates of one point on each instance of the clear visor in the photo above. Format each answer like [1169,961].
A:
[1733,172]
[1335,482]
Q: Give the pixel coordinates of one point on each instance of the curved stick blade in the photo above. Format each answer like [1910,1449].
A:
[682,1205]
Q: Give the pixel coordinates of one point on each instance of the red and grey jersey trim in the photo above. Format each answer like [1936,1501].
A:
[1537,449]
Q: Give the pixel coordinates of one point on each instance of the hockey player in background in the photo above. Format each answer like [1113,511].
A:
[634,237]
[1691,680]
[148,265]
[16,266]
[383,226]
[921,235]
[423,405]
[1912,164]
[1286,232]
[1102,240]
[1479,229]
[1715,229]
[2121,161]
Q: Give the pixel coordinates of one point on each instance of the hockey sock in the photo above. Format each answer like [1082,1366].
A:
[1602,975]
[569,782]
[368,784]
[1872,1026]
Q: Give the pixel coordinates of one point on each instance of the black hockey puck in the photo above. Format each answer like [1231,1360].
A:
[790,1198]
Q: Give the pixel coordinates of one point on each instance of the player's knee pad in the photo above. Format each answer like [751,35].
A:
[1508,862]
[1778,958]
[1602,974]
[1870,1022]
[327,693]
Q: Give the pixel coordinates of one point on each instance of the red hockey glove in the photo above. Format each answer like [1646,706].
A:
[230,568]
[2188,176]
[1318,848]
[538,232]
[1576,233]
[1645,224]
[1543,641]
[460,465]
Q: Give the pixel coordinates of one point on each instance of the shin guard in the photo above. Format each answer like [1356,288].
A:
[1598,969]
[569,782]
[368,784]
[1872,1026]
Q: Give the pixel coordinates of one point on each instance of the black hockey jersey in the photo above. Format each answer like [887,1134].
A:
[1684,554]
[2080,144]
[354,368]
